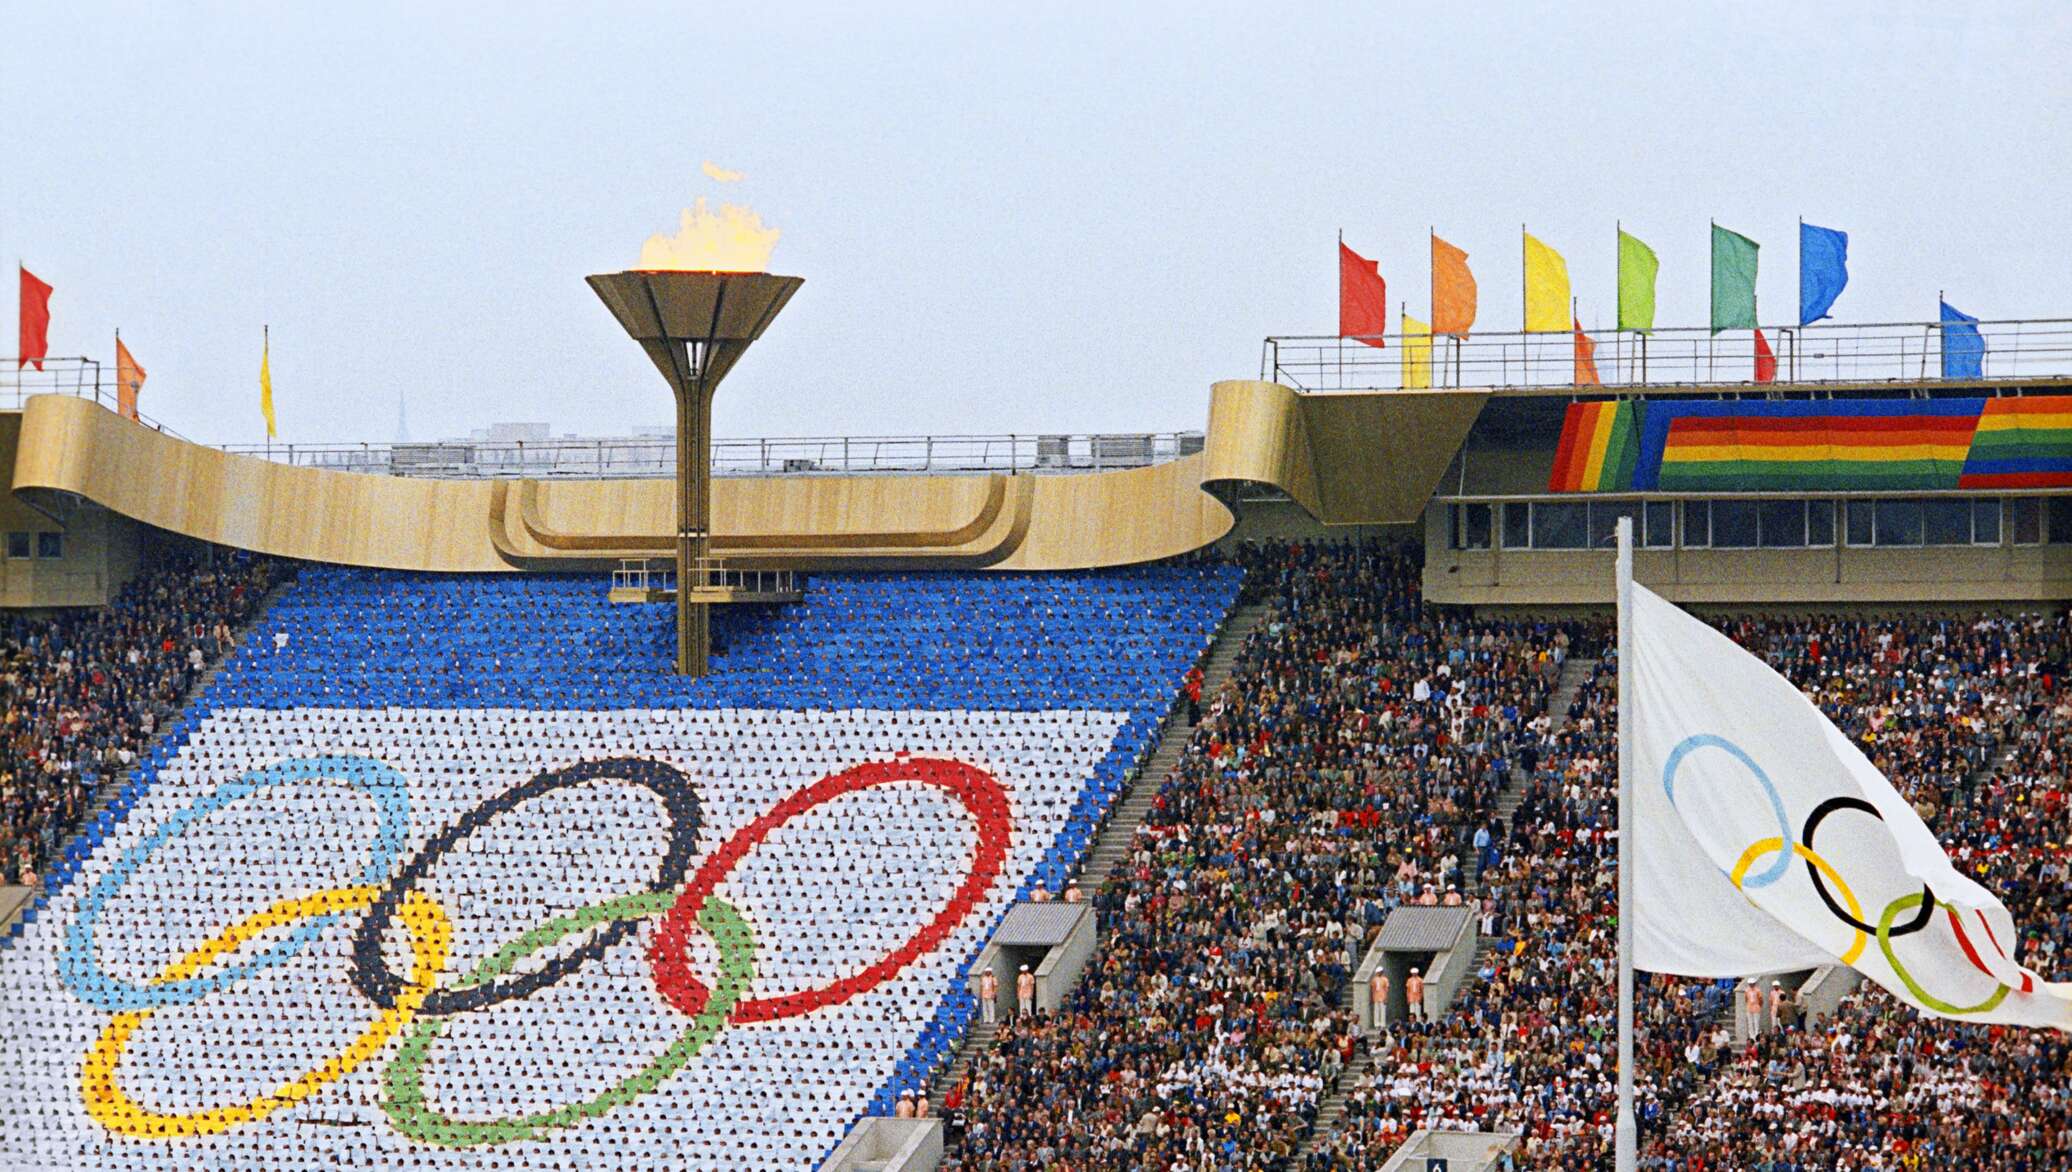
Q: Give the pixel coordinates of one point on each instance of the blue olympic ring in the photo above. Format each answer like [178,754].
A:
[80,969]
[1708,741]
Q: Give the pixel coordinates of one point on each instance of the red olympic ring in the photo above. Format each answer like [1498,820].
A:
[981,795]
[1971,954]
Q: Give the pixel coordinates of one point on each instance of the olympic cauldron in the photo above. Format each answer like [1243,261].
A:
[695,326]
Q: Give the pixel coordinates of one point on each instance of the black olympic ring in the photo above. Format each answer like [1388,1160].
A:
[371,974]
[1813,821]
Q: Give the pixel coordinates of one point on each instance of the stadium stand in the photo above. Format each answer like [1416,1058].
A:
[1343,772]
[1963,712]
[451,802]
[436,809]
[83,691]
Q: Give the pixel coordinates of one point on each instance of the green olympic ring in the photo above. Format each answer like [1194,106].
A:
[403,1081]
[1892,910]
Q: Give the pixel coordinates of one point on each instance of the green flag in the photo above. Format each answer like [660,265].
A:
[1637,265]
[1733,281]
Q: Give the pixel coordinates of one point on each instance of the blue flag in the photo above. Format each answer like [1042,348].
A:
[1963,350]
[1823,270]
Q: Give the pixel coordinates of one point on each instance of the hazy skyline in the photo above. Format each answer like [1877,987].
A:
[1008,220]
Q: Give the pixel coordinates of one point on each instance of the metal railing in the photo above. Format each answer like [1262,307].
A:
[576,459]
[659,574]
[717,574]
[645,574]
[1886,352]
[85,378]
[650,456]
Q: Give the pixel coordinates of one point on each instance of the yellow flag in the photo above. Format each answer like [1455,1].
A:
[1546,289]
[1417,353]
[266,384]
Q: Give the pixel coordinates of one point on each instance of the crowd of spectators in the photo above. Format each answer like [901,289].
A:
[1877,1086]
[82,690]
[1530,1043]
[1964,715]
[1344,770]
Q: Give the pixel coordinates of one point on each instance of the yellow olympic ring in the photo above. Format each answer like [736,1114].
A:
[1764,846]
[430,934]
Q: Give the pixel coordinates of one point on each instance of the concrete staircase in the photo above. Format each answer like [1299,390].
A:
[977,1041]
[1574,674]
[1331,1103]
[1112,846]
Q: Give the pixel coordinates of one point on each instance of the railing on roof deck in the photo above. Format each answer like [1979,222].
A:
[653,456]
[789,456]
[1903,354]
[86,378]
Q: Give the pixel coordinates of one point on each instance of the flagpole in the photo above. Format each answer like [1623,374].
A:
[1626,1136]
[1802,300]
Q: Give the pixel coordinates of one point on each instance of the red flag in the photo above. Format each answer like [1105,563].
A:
[1765,360]
[1363,298]
[1586,358]
[35,345]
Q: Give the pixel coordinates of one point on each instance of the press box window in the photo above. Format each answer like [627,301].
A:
[2026,520]
[1604,522]
[1946,521]
[18,545]
[1517,526]
[1660,518]
[1896,523]
[1471,526]
[1734,524]
[1559,526]
[1697,524]
[1820,523]
[50,545]
[1985,522]
[1782,524]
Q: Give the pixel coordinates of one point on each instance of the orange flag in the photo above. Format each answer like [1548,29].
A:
[1453,290]
[129,379]
[1586,358]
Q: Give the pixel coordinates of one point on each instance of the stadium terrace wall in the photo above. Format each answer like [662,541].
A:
[1344,459]
[62,556]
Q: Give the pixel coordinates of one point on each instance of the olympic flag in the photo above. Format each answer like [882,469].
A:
[1764,841]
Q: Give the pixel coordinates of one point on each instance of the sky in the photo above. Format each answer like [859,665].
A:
[1010,218]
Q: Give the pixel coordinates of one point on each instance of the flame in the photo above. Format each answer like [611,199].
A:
[719,174]
[731,240]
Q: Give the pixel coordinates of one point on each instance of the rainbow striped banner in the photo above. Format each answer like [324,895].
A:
[2021,443]
[1829,445]
[1600,447]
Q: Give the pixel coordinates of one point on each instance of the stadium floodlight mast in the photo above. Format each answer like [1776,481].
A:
[695,326]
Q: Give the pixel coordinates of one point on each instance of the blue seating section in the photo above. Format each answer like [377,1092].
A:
[1111,642]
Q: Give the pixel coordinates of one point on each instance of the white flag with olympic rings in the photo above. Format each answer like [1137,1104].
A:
[1765,841]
